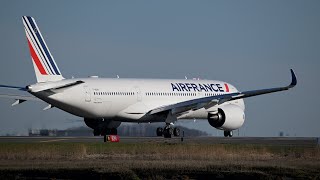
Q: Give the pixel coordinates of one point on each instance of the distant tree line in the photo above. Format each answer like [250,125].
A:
[126,129]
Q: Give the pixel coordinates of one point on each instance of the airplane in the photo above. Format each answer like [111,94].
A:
[104,103]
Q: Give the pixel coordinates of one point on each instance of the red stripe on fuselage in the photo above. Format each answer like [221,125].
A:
[36,59]
[227,87]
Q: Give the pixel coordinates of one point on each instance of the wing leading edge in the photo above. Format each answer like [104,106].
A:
[13,87]
[211,101]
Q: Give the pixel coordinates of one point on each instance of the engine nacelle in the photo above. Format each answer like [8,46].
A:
[229,117]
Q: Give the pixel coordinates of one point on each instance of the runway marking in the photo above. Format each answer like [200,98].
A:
[53,140]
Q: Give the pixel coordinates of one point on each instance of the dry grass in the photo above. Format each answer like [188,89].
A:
[146,159]
[41,151]
[149,152]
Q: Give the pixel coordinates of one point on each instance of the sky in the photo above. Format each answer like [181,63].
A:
[250,44]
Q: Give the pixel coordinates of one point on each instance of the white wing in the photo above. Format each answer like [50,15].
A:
[207,102]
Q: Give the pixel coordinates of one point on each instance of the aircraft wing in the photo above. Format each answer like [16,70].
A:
[19,98]
[207,102]
[13,87]
[26,98]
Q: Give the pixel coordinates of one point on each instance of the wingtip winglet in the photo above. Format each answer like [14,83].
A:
[293,79]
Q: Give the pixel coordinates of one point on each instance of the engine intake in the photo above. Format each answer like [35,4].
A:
[218,119]
[228,117]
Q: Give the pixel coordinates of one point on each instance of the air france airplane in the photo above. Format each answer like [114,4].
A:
[106,102]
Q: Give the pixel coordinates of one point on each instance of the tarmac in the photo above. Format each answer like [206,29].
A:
[281,141]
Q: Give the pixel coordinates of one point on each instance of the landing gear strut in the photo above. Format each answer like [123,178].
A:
[168,131]
[228,134]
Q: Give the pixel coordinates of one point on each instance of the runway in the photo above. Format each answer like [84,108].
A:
[281,141]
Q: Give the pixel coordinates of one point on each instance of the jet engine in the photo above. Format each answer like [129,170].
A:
[228,117]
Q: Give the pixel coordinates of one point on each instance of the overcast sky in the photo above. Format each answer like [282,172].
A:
[250,44]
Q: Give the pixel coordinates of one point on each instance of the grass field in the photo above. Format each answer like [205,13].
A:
[156,161]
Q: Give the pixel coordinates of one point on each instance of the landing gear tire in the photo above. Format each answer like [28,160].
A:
[228,134]
[176,132]
[225,133]
[166,134]
[159,131]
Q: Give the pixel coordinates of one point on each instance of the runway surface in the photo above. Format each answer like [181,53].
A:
[285,141]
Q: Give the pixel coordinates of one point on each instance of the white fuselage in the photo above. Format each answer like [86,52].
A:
[128,100]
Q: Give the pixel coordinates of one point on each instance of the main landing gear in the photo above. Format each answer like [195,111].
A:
[228,134]
[168,131]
